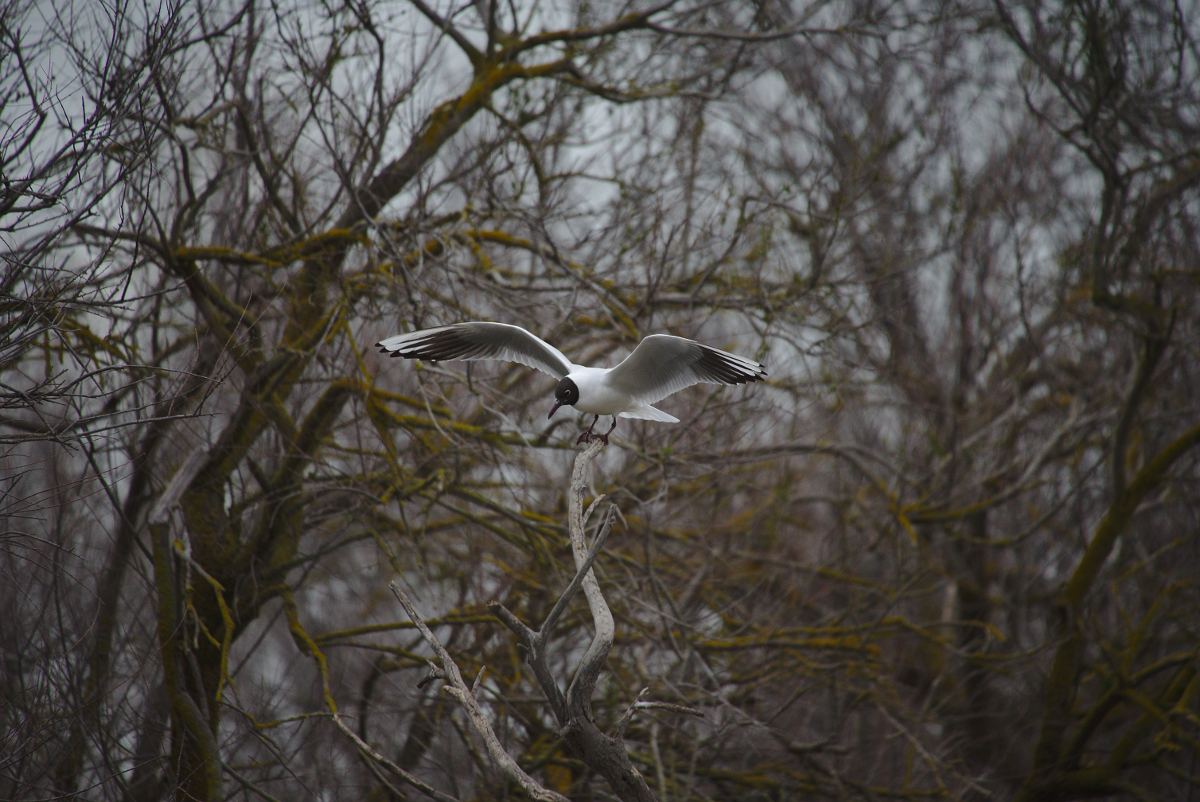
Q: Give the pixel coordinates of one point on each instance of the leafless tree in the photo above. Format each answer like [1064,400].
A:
[947,551]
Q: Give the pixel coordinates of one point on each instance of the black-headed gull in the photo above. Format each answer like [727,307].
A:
[659,366]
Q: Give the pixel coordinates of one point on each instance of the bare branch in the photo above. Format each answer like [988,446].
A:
[479,721]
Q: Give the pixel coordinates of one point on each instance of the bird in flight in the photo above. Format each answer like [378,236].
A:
[659,366]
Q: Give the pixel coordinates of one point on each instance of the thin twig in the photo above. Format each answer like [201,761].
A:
[577,580]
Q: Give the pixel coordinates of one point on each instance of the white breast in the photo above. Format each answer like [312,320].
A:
[596,396]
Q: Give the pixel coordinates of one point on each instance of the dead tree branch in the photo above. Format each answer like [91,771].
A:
[458,688]
[603,753]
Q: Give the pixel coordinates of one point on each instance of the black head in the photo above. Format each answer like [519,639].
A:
[565,394]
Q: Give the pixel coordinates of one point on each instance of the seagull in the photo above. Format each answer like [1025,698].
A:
[659,366]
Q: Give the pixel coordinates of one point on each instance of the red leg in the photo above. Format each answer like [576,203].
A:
[604,436]
[586,437]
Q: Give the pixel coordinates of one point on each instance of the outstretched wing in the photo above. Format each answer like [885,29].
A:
[662,364]
[479,340]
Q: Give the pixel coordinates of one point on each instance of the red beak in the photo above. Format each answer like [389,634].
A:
[554,409]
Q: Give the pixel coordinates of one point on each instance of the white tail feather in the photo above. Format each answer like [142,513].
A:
[648,413]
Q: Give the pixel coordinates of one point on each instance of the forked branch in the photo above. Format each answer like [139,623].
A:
[602,753]
[458,688]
